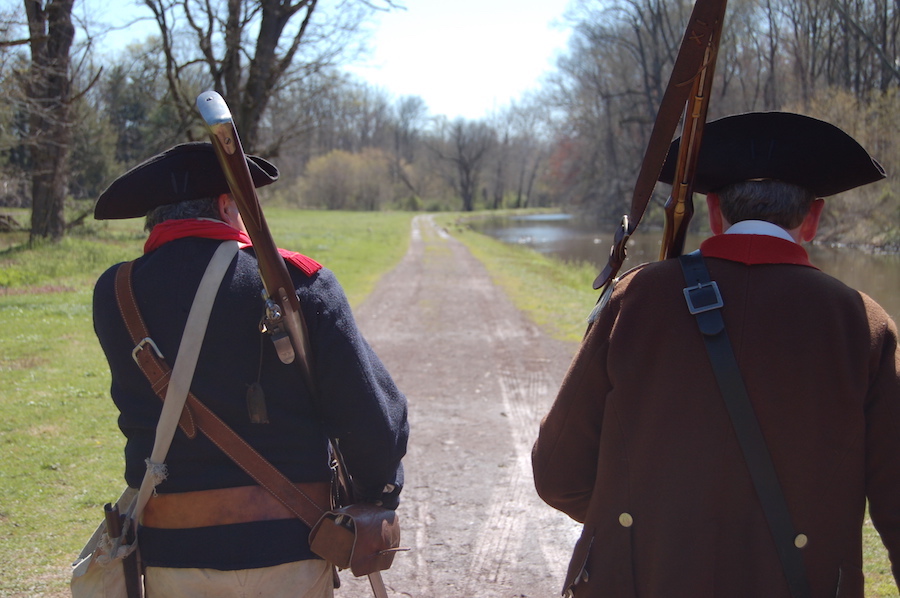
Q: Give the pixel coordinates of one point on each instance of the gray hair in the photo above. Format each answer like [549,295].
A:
[192,208]
[777,202]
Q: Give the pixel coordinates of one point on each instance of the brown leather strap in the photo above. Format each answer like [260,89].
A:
[224,506]
[198,415]
[145,353]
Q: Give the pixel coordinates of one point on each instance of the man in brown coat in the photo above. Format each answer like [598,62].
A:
[639,445]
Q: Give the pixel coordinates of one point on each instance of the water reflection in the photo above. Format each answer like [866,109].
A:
[576,240]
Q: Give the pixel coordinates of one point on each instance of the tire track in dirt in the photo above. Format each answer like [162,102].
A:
[478,376]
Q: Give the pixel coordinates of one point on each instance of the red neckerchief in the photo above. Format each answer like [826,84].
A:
[210,229]
[755,249]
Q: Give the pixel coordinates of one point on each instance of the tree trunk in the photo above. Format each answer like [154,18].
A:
[48,93]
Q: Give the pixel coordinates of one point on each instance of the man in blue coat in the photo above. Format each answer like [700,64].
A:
[211,530]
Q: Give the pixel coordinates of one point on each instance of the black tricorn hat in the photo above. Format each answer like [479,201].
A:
[186,171]
[782,146]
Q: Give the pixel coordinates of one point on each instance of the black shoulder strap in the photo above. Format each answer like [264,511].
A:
[704,301]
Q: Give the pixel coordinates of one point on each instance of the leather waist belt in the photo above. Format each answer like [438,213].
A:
[225,506]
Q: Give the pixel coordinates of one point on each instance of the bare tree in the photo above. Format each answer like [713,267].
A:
[519,151]
[875,25]
[530,147]
[850,44]
[501,157]
[743,63]
[409,120]
[249,50]
[465,147]
[48,96]
[800,55]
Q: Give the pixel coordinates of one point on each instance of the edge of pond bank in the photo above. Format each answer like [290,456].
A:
[556,295]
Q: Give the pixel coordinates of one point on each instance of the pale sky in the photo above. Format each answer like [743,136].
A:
[464,58]
[467,57]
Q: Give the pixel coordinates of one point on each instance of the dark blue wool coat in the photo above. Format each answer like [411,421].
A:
[360,403]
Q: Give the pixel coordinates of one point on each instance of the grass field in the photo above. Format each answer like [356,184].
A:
[61,449]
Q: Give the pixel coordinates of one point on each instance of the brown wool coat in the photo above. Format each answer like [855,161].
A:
[639,446]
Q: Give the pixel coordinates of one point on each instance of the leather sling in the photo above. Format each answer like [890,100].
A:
[96,569]
[705,302]
[197,416]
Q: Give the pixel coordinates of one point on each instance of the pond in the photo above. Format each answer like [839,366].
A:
[574,239]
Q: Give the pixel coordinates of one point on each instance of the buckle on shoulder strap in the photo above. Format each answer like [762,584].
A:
[703,297]
[140,347]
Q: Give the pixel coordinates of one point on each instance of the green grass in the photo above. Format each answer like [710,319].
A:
[358,246]
[876,564]
[62,450]
[557,296]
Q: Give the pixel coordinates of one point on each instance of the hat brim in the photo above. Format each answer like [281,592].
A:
[181,173]
[782,146]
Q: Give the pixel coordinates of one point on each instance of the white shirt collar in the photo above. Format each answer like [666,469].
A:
[759,227]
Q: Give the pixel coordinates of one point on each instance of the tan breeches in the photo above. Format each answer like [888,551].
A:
[301,579]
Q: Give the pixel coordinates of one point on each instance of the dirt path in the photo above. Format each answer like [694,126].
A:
[479,376]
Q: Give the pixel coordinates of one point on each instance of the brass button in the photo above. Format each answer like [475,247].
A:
[801,540]
[626,520]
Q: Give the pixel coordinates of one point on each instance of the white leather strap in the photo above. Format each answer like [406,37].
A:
[183,372]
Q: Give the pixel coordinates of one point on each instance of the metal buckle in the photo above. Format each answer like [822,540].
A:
[140,347]
[703,297]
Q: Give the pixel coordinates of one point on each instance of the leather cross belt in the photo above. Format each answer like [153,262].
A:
[225,506]
[197,416]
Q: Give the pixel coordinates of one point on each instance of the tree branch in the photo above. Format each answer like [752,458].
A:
[17,42]
[868,39]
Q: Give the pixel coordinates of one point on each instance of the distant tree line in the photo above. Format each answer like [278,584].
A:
[343,144]
[832,59]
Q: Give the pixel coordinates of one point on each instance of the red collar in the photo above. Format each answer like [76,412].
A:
[170,230]
[755,249]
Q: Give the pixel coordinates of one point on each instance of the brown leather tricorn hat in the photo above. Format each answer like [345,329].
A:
[186,171]
[782,146]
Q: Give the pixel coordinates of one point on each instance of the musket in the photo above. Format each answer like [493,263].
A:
[686,98]
[680,205]
[284,320]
